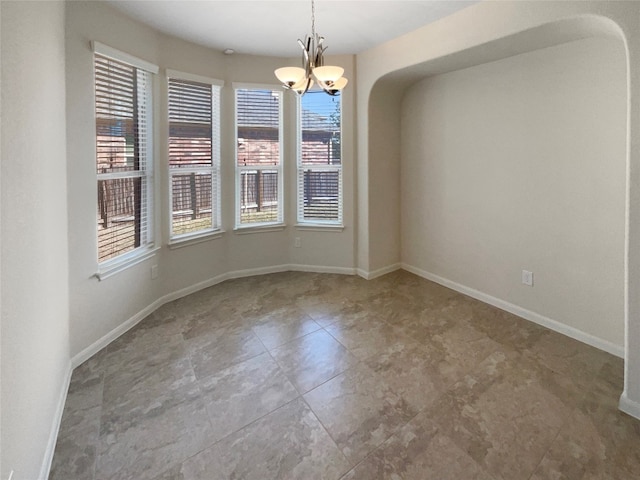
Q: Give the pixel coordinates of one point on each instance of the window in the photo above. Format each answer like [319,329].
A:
[319,159]
[258,157]
[194,154]
[123,154]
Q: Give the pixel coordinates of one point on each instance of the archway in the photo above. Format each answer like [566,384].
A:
[384,202]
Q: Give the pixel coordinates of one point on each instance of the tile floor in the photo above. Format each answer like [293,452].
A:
[318,376]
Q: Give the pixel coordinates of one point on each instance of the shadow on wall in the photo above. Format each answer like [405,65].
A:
[390,200]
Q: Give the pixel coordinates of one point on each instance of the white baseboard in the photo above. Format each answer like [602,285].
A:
[629,406]
[121,329]
[320,269]
[370,275]
[559,327]
[626,405]
[549,323]
[55,426]
[250,272]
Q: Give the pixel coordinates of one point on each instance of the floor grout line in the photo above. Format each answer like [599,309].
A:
[277,290]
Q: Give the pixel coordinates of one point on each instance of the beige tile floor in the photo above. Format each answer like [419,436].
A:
[317,376]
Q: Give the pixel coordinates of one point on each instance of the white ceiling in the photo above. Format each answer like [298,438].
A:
[265,27]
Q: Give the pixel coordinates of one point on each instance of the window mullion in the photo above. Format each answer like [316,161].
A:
[116,175]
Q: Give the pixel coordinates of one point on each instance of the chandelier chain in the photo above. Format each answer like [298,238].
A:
[313,20]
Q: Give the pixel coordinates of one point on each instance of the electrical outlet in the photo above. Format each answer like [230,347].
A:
[154,272]
[527,278]
[296,242]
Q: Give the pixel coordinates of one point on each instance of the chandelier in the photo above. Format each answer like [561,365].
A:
[300,80]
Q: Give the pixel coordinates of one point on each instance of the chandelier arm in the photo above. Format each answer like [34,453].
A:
[320,55]
[306,89]
[306,59]
[319,50]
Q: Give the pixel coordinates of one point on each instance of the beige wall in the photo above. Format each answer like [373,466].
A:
[101,310]
[494,31]
[520,164]
[35,331]
[75,313]
[384,184]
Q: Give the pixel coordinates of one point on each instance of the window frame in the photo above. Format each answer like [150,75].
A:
[215,231]
[277,224]
[147,247]
[303,223]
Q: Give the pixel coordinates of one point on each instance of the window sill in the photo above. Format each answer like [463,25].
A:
[188,240]
[272,227]
[319,227]
[110,268]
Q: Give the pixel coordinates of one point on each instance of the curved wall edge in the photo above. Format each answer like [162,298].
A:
[395,66]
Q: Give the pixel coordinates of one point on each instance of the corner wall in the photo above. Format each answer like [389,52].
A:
[383,233]
[35,330]
[520,164]
[494,31]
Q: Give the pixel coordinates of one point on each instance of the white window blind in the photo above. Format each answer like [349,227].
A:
[194,157]
[319,159]
[123,156]
[258,156]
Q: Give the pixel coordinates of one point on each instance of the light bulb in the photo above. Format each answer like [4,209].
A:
[301,87]
[335,88]
[290,75]
[339,84]
[328,73]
